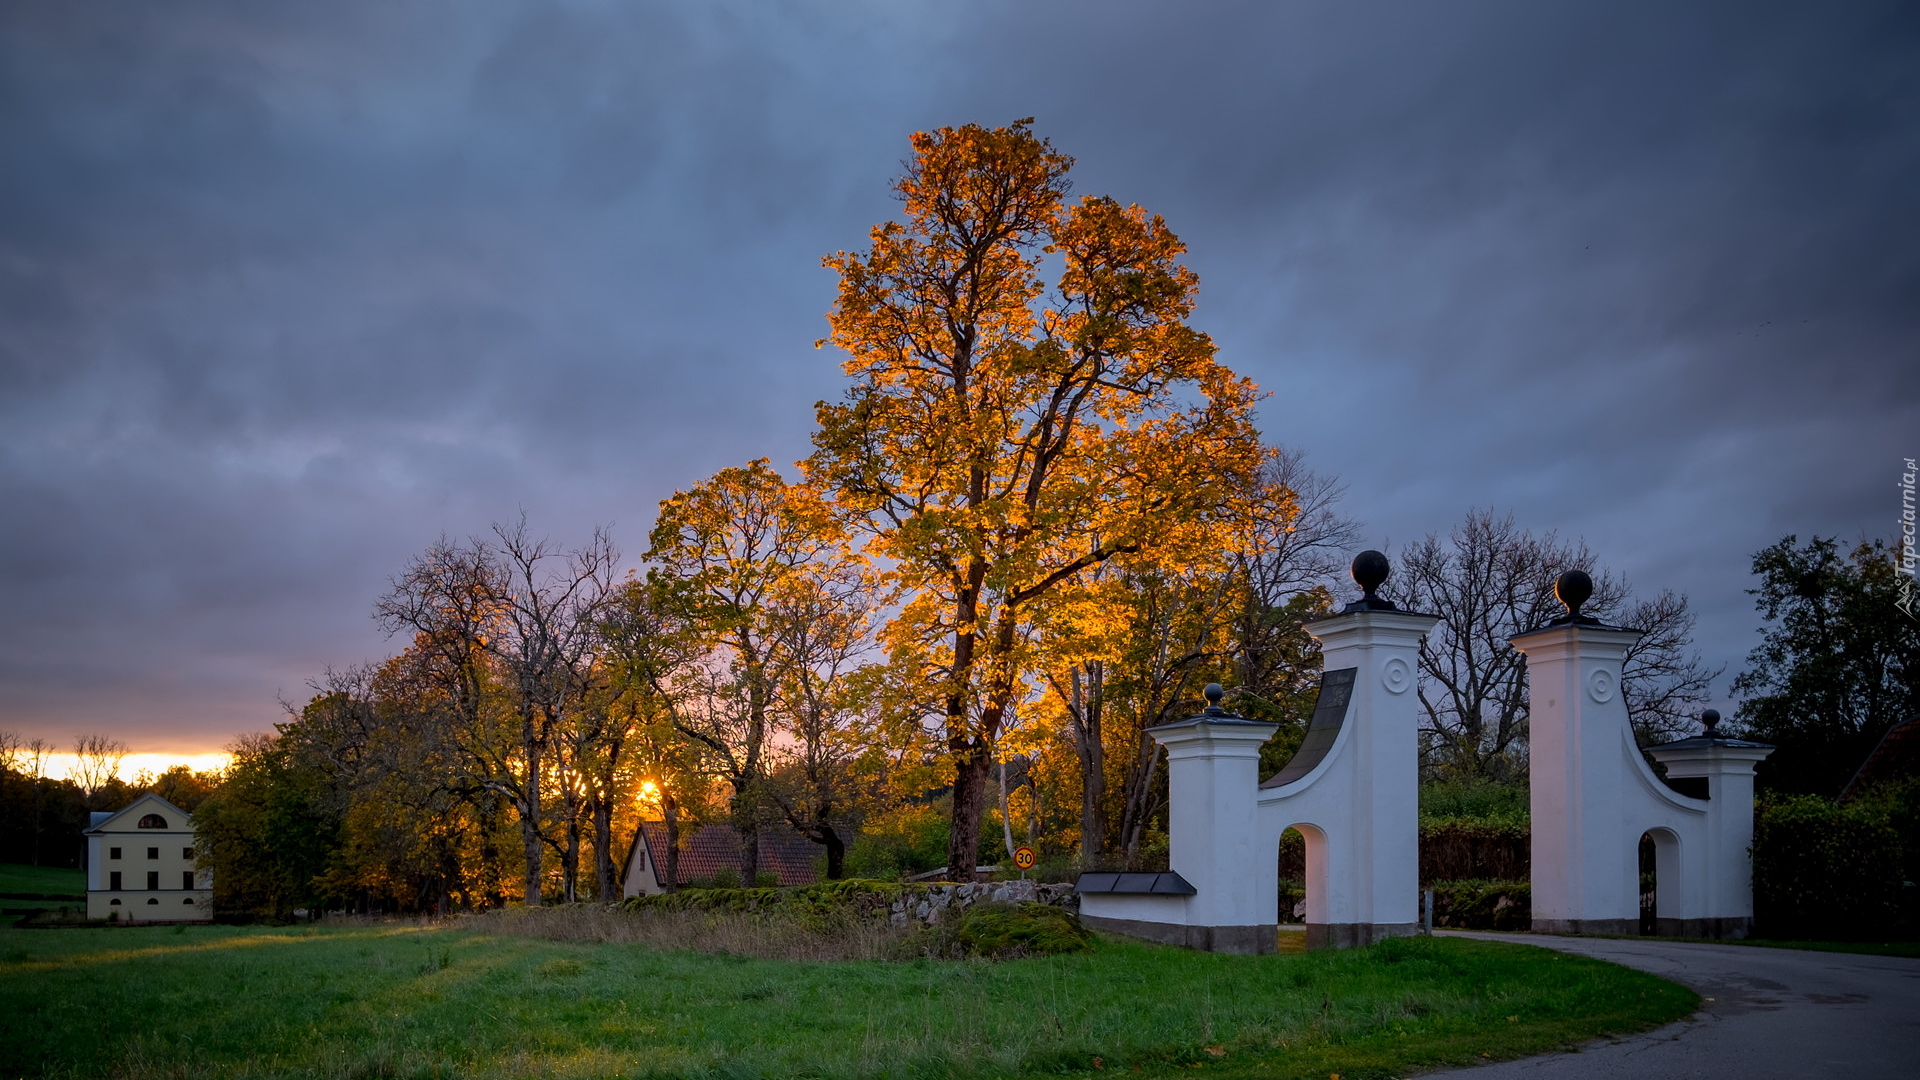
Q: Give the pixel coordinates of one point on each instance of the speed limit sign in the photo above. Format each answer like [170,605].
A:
[1023,858]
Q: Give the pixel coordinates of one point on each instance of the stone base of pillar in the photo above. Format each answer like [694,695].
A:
[1723,928]
[1351,935]
[1615,927]
[1242,940]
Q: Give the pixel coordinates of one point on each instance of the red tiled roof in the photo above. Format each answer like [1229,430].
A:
[1896,758]
[709,849]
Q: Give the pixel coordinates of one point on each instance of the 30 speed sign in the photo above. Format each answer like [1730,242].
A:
[1023,858]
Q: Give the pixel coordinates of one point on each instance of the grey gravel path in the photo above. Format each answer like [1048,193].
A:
[1769,1014]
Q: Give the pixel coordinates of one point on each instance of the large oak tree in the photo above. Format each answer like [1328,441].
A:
[1004,435]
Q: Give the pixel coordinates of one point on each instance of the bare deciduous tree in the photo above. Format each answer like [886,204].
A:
[96,763]
[1489,580]
[517,619]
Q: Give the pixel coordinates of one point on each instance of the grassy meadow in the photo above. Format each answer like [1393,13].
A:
[25,889]
[408,1000]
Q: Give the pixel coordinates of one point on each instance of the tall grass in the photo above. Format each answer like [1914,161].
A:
[767,936]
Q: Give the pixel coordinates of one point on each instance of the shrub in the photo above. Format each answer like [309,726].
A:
[1003,931]
[1475,800]
[1466,849]
[1483,905]
[911,840]
[1821,869]
[1293,893]
[828,899]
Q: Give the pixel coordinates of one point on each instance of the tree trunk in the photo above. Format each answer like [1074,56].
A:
[608,885]
[1006,812]
[671,811]
[570,858]
[490,861]
[971,774]
[749,853]
[530,830]
[836,851]
[1093,769]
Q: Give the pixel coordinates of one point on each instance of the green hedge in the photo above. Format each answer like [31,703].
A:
[1466,849]
[1483,905]
[996,930]
[851,895]
[1826,870]
[1451,849]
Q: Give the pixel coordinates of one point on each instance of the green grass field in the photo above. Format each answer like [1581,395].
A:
[410,1001]
[20,878]
[39,881]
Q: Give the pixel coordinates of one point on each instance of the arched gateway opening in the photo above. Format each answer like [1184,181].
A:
[1659,882]
[1303,874]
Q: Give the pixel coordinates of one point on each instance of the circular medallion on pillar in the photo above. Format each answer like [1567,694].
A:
[1396,676]
[1601,685]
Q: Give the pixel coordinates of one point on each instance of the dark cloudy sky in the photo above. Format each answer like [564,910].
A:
[288,290]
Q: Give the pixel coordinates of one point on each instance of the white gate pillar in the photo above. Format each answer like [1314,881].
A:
[1356,778]
[1593,796]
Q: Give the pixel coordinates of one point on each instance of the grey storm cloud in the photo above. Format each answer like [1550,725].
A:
[287,291]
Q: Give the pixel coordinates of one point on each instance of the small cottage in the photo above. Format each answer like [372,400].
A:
[141,866]
[707,850]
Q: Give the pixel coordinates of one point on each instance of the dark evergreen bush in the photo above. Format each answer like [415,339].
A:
[1826,870]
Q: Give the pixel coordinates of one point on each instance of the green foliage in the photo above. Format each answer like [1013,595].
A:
[910,840]
[1483,905]
[408,1000]
[1003,931]
[1478,800]
[1465,849]
[268,833]
[41,820]
[1828,870]
[863,897]
[1469,830]
[1839,664]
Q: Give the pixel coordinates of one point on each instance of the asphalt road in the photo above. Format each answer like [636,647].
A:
[1768,1014]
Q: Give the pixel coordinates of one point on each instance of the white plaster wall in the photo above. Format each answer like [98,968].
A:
[1364,798]
[1593,796]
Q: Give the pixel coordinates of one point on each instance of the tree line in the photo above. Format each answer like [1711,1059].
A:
[43,817]
[1038,521]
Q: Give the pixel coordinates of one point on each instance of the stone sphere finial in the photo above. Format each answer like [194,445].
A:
[1214,692]
[1573,588]
[1710,720]
[1370,569]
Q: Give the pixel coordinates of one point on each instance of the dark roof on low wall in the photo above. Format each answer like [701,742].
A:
[1166,883]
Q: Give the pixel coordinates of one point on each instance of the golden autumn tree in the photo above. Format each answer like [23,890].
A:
[742,555]
[1004,435]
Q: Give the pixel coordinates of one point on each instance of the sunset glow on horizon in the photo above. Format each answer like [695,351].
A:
[60,766]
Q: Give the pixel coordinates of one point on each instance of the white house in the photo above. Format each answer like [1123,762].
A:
[140,866]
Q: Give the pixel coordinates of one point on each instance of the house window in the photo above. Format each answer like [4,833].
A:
[115,902]
[186,853]
[186,879]
[153,853]
[153,900]
[153,879]
[113,853]
[153,821]
[113,881]
[188,901]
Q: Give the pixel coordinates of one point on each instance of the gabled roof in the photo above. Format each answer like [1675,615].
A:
[1896,757]
[709,849]
[147,803]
